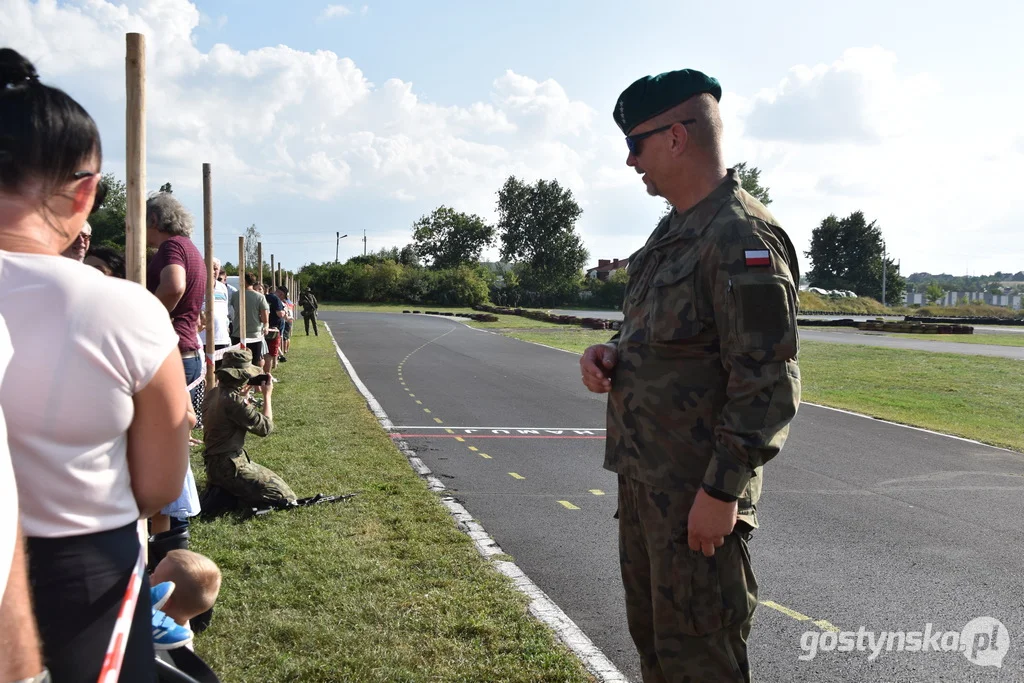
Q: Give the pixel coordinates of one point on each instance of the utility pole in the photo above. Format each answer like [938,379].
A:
[337,244]
[884,272]
[364,241]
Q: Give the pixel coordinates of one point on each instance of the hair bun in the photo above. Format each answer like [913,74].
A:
[14,69]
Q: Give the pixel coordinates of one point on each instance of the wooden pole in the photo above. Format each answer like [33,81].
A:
[259,259]
[272,271]
[241,290]
[211,379]
[135,158]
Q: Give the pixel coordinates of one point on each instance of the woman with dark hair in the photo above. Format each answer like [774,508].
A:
[93,393]
[107,260]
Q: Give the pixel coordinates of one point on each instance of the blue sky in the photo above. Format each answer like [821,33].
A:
[371,114]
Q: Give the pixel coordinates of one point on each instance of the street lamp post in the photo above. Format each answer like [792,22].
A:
[337,244]
[883,272]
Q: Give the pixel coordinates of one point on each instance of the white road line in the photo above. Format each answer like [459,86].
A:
[541,606]
[542,429]
[916,429]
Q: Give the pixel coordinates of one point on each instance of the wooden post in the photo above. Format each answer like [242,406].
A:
[241,290]
[272,271]
[259,259]
[211,379]
[135,158]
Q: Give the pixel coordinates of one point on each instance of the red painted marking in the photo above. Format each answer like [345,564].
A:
[492,436]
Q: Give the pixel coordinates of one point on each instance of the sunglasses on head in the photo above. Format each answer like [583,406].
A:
[633,141]
[101,189]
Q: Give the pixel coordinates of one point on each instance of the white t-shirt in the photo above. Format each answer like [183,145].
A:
[8,491]
[84,345]
[220,315]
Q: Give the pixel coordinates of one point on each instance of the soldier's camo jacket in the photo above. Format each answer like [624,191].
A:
[707,381]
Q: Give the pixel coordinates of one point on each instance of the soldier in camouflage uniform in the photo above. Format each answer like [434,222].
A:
[229,416]
[309,306]
[702,383]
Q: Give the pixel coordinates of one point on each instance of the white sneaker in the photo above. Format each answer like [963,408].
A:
[274,379]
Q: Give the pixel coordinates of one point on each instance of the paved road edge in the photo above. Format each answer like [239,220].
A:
[541,607]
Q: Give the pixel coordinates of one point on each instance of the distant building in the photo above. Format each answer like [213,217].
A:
[953,298]
[605,268]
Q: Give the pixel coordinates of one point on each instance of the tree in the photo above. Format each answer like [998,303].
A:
[229,268]
[846,253]
[451,238]
[166,187]
[409,256]
[933,292]
[538,234]
[750,180]
[252,241]
[108,223]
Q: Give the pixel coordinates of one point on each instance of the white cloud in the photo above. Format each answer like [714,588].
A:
[861,98]
[336,12]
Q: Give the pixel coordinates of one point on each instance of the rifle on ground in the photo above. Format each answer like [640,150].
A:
[318,499]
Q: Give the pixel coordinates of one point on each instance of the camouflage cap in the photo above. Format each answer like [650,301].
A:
[649,96]
[237,364]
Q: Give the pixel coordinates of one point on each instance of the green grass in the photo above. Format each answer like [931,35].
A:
[971,396]
[379,588]
[505,322]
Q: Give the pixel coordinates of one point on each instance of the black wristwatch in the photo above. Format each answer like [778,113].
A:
[719,495]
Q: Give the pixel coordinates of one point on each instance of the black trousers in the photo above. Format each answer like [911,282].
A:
[78,583]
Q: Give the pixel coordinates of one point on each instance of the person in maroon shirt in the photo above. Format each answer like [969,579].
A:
[176,274]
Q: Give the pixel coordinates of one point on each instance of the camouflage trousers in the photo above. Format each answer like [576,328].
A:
[306,318]
[251,483]
[689,615]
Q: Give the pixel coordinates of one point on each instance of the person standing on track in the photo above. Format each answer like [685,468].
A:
[702,383]
[309,306]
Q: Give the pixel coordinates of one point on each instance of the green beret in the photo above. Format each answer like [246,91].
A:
[653,95]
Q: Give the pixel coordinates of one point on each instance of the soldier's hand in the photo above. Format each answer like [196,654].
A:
[267,388]
[596,367]
[710,521]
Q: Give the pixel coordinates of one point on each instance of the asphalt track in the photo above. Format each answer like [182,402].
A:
[865,524]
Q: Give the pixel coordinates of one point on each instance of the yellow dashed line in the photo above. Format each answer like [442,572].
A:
[597,492]
[516,476]
[567,505]
[449,431]
[785,610]
[826,626]
[460,439]
[472,448]
[437,420]
[425,410]
[419,402]
[484,455]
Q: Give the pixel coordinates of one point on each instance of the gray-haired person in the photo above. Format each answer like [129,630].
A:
[176,274]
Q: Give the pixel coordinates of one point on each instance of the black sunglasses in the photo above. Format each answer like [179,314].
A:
[633,141]
[101,189]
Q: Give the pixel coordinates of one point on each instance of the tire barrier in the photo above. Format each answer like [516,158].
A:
[965,321]
[914,327]
[844,322]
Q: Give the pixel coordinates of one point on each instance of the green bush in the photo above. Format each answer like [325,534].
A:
[385,280]
[811,302]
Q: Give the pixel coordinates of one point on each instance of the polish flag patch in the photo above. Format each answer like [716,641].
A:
[757,257]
